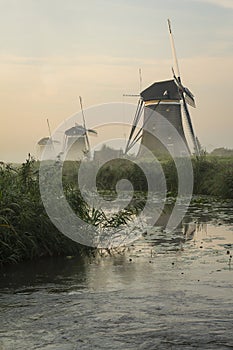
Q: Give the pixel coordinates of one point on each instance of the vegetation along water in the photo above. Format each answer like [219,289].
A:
[26,232]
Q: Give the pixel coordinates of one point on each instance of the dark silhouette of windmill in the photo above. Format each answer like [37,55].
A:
[159,104]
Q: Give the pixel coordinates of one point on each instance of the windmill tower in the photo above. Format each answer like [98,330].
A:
[162,129]
[75,143]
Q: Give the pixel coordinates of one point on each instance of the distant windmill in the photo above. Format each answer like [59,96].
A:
[166,98]
[77,144]
[46,142]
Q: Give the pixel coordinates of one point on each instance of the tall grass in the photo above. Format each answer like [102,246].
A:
[212,176]
[26,231]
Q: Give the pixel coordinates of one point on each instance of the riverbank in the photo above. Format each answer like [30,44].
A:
[26,231]
[213,176]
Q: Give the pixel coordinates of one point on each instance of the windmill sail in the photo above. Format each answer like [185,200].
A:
[185,94]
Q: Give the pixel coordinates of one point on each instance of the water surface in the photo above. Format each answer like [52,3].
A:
[167,291]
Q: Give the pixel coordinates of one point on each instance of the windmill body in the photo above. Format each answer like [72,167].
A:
[162,104]
[46,143]
[75,143]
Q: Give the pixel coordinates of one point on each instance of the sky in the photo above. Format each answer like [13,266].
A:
[53,51]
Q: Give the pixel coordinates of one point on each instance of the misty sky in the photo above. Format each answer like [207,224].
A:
[53,51]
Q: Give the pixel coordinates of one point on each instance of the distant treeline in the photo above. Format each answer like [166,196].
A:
[222,152]
[213,176]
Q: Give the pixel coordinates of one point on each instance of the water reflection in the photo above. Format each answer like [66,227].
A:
[207,226]
[30,274]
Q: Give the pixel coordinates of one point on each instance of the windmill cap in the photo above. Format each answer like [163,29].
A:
[163,90]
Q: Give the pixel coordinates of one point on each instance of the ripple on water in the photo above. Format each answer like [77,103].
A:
[168,291]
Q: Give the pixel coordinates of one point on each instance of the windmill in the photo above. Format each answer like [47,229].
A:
[76,142]
[159,104]
[46,142]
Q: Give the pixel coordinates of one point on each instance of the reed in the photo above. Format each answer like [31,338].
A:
[26,231]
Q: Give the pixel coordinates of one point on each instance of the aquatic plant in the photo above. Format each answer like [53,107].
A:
[26,232]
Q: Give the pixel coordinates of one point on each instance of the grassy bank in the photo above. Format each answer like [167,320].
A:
[213,176]
[26,231]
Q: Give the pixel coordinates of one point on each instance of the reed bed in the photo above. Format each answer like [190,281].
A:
[26,231]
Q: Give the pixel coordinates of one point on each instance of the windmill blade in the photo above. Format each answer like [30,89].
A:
[188,92]
[173,48]
[50,135]
[91,131]
[189,100]
[190,125]
[188,95]
[84,126]
[139,134]
[81,106]
[185,94]
[137,117]
[88,143]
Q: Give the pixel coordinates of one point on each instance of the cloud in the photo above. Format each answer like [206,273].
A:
[222,3]
[74,60]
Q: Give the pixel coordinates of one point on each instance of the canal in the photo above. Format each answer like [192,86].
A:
[166,291]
